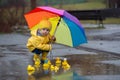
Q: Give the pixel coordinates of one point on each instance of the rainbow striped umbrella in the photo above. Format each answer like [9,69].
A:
[66,27]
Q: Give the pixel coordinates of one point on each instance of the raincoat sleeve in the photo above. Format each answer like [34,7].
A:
[33,43]
[29,45]
[46,47]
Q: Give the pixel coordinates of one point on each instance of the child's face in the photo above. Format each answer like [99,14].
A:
[44,31]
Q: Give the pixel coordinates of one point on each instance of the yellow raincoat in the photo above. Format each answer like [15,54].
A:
[39,42]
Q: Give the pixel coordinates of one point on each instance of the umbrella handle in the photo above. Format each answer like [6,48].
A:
[51,55]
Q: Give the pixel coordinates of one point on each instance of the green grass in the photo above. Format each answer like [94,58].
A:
[83,6]
[112,21]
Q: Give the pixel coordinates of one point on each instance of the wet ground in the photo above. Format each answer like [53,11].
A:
[99,59]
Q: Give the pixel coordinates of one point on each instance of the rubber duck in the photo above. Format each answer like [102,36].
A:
[30,68]
[37,62]
[56,68]
[49,62]
[67,67]
[52,68]
[45,66]
[30,72]
[58,62]
[64,63]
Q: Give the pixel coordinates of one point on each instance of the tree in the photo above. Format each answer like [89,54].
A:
[33,4]
[10,12]
[113,3]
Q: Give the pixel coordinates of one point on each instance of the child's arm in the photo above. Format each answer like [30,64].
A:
[46,47]
[34,43]
[52,39]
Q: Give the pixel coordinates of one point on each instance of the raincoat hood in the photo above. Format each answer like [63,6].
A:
[34,32]
[45,24]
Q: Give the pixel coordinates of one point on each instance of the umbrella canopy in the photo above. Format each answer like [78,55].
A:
[65,27]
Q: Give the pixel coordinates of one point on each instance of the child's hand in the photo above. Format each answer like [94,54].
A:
[53,38]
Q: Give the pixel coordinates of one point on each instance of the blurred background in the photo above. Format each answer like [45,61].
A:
[99,59]
[12,11]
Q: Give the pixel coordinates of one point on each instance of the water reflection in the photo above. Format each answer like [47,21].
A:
[40,76]
[90,64]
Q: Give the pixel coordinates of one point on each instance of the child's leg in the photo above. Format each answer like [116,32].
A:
[37,53]
[36,57]
[44,57]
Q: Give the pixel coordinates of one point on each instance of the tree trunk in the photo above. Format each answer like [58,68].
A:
[4,26]
[33,4]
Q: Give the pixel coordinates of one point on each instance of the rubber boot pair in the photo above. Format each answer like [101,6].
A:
[36,57]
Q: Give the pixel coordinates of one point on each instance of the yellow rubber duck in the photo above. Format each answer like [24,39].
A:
[58,62]
[30,68]
[64,63]
[67,67]
[52,68]
[45,66]
[49,62]
[56,69]
[30,72]
[37,62]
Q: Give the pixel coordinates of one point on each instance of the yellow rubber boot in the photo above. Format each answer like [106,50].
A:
[44,57]
[36,57]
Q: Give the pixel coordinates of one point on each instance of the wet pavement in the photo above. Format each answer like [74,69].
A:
[99,59]
[107,39]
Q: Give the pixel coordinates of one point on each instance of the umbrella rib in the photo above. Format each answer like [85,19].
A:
[57,25]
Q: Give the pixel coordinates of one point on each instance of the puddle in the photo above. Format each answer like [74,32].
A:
[89,65]
[86,65]
[14,59]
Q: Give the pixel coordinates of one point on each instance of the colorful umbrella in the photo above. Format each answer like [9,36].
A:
[65,27]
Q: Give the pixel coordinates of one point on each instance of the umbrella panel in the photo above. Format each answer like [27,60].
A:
[69,33]
[63,34]
[54,21]
[34,18]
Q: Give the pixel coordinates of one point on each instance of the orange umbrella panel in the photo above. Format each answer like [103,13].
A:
[35,17]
